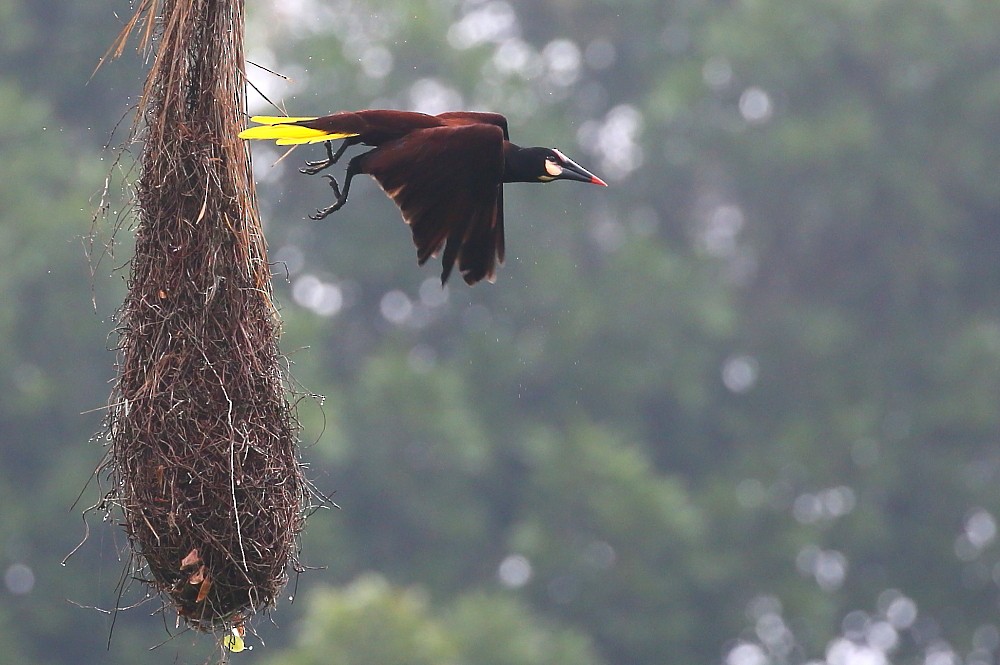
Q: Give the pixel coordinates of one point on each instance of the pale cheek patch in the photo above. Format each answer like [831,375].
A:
[553,169]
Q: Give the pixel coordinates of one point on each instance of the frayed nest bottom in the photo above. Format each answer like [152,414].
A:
[205,471]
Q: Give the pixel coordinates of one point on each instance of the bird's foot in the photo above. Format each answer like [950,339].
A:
[322,213]
[312,168]
[337,205]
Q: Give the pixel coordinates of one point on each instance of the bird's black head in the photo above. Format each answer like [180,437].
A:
[543,165]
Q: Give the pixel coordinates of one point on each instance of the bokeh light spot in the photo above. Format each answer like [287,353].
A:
[562,59]
[717,72]
[19,579]
[431,96]
[514,571]
[901,612]
[322,298]
[376,62]
[746,653]
[396,307]
[432,293]
[980,528]
[755,105]
[739,373]
[491,22]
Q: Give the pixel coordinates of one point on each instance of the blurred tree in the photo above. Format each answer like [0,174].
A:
[840,125]
[51,361]
[753,312]
[52,48]
[369,622]
[498,630]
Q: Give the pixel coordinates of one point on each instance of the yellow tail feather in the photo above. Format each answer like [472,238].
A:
[292,140]
[285,131]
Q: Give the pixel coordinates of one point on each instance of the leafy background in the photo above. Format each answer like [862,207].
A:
[740,407]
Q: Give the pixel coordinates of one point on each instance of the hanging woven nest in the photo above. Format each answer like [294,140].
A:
[202,461]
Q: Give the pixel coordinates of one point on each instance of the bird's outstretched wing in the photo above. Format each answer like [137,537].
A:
[447,184]
[456,118]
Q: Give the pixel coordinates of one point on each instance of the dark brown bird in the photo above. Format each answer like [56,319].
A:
[445,173]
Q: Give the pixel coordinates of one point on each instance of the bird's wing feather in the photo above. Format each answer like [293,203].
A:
[447,184]
[475,117]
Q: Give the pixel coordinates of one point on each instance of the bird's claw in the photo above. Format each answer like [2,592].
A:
[323,212]
[312,168]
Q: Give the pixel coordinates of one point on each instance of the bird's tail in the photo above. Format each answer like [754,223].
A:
[289,131]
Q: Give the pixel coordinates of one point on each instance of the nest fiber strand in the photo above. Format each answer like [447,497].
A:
[203,458]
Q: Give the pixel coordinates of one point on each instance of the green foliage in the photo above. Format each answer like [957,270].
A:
[491,629]
[600,548]
[369,622]
[51,370]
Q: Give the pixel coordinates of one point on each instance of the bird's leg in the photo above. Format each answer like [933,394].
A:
[312,168]
[353,168]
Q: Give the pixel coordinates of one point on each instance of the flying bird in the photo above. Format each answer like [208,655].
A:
[445,173]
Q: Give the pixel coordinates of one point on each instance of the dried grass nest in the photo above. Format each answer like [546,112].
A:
[202,461]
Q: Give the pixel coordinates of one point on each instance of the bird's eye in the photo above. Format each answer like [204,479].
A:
[552,167]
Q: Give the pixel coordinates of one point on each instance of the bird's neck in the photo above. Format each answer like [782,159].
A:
[516,167]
